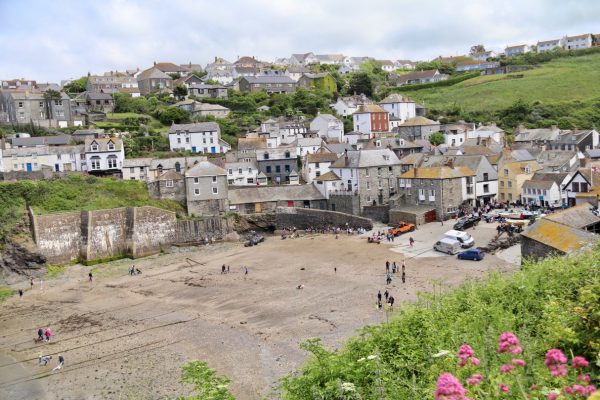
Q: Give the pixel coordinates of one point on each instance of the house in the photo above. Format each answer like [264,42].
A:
[346,106]
[204,90]
[45,157]
[517,50]
[24,140]
[387,65]
[467,66]
[545,189]
[168,186]
[136,169]
[307,145]
[354,63]
[104,156]
[317,164]
[25,107]
[282,130]
[455,134]
[239,72]
[219,64]
[330,59]
[578,140]
[511,176]
[328,183]
[21,84]
[399,106]
[98,102]
[485,189]
[420,77]
[222,76]
[154,80]
[546,237]
[483,56]
[418,128]
[321,81]
[579,182]
[536,136]
[187,81]
[584,41]
[371,119]
[247,148]
[202,137]
[170,68]
[241,173]
[490,131]
[558,161]
[159,166]
[328,127]
[270,84]
[369,175]
[203,109]
[113,82]
[277,163]
[353,137]
[206,189]
[247,62]
[548,45]
[266,199]
[444,189]
[303,59]
[296,71]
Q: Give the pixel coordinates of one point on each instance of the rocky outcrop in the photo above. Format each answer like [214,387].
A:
[255,222]
[17,260]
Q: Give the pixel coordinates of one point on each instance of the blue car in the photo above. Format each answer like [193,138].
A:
[471,254]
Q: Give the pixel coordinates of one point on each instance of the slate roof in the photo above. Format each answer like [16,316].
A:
[152,73]
[396,98]
[170,175]
[369,108]
[205,168]
[169,67]
[547,176]
[542,134]
[169,163]
[417,75]
[572,137]
[538,184]
[57,140]
[196,127]
[438,173]
[103,144]
[367,158]
[136,162]
[321,157]
[578,217]
[419,121]
[329,176]
[269,79]
[263,194]
[593,153]
[561,237]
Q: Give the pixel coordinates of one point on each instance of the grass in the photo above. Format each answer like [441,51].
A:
[5,293]
[126,115]
[561,80]
[54,271]
[550,304]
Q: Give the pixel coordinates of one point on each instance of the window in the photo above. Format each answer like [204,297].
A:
[485,176]
[402,183]
[278,168]
[268,169]
[215,190]
[20,104]
[230,181]
[239,170]
[317,165]
[169,183]
[502,184]
[575,187]
[112,162]
[95,162]
[131,170]
[367,172]
[287,154]
[486,188]
[266,156]
[368,185]
[94,147]
[583,187]
[505,172]
[196,181]
[318,173]
[509,184]
[250,180]
[178,140]
[214,179]
[230,171]
[196,192]
[287,168]
[177,167]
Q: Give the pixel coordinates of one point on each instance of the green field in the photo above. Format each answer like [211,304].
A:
[561,80]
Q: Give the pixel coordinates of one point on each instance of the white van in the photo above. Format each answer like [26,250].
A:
[448,246]
[464,238]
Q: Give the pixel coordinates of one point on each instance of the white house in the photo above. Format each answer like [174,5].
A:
[317,164]
[136,169]
[387,65]
[579,182]
[490,131]
[346,106]
[241,173]
[328,127]
[483,56]
[541,193]
[104,155]
[354,137]
[578,42]
[399,106]
[512,51]
[202,137]
[328,183]
[548,45]
[306,146]
[55,158]
[371,119]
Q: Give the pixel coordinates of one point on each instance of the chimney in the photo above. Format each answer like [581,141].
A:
[415,170]
[478,140]
[346,157]
[451,163]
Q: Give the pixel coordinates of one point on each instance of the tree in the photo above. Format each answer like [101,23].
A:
[49,96]
[174,75]
[180,91]
[199,74]
[207,385]
[172,114]
[76,86]
[361,83]
[437,138]
[478,48]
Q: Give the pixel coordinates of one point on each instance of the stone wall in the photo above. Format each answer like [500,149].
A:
[377,213]
[134,232]
[344,203]
[534,250]
[303,218]
[43,174]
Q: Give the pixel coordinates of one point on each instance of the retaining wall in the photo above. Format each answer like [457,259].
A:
[303,218]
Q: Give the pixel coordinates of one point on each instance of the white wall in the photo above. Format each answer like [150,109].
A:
[198,142]
[362,122]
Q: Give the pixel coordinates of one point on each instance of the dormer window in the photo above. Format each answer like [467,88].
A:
[94,146]
[287,154]
[266,156]
[111,146]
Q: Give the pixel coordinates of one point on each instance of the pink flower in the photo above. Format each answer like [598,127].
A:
[555,361]
[509,343]
[504,388]
[518,362]
[474,379]
[475,361]
[579,362]
[590,389]
[465,351]
[584,378]
[579,390]
[506,368]
[449,388]
[552,396]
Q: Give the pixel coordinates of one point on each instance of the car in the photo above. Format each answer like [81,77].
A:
[466,222]
[401,228]
[471,254]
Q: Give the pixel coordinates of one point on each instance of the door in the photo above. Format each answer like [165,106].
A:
[194,149]
[290,203]
[56,167]
[213,149]
[257,207]
[29,168]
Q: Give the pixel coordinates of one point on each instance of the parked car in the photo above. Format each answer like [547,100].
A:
[466,222]
[471,254]
[463,238]
[401,228]
[447,245]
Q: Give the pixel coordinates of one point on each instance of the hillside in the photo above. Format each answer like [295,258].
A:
[552,304]
[555,82]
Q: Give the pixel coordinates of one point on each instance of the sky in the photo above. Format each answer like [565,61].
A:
[52,40]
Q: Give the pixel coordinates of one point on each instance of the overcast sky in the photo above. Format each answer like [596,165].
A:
[50,40]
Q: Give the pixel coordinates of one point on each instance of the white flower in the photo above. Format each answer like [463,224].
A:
[441,354]
[371,357]
[361,359]
[348,387]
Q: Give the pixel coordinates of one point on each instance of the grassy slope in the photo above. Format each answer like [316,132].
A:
[549,304]
[565,79]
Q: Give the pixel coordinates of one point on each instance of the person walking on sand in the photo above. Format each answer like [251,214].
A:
[379,296]
[90,276]
[20,293]
[222,269]
[48,334]
[387,266]
[391,301]
[61,363]
[43,360]
[411,241]
[31,283]
[403,265]
[386,294]
[40,334]
[245,271]
[403,277]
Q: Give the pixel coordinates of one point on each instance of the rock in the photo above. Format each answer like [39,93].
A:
[232,237]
